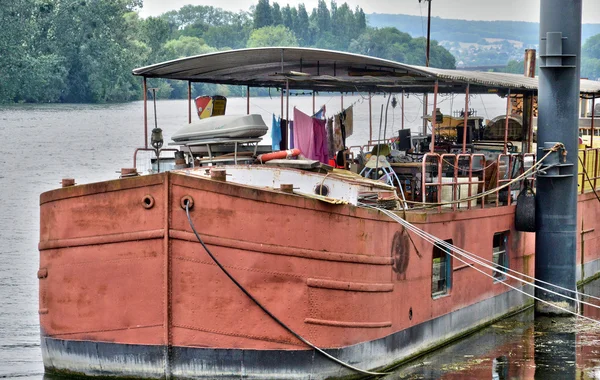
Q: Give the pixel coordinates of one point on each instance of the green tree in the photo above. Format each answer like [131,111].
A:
[288,19]
[390,43]
[323,17]
[301,28]
[276,14]
[272,36]
[361,20]
[590,58]
[233,35]
[590,68]
[591,47]
[155,31]
[186,46]
[15,18]
[263,15]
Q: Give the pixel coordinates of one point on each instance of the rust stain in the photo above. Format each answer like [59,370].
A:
[400,253]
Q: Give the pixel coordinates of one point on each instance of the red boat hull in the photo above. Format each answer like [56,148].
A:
[127,290]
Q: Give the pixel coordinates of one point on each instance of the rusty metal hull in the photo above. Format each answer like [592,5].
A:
[126,290]
[111,359]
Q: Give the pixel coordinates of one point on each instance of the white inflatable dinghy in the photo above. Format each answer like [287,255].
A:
[225,126]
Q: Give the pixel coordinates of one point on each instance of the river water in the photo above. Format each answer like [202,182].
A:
[41,144]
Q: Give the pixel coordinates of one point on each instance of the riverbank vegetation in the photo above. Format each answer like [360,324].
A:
[84,50]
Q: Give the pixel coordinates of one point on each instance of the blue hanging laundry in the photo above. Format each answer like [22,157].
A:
[276,133]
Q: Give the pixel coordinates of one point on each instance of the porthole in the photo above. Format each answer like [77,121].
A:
[148,201]
[187,200]
[322,190]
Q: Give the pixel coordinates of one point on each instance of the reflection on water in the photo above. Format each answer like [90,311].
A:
[519,347]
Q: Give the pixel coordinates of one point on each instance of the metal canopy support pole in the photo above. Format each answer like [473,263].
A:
[247,100]
[287,99]
[506,122]
[402,109]
[145,85]
[558,116]
[425,97]
[592,125]
[466,119]
[282,102]
[287,112]
[313,96]
[425,100]
[531,98]
[370,120]
[433,116]
[189,102]
[342,99]
[428,33]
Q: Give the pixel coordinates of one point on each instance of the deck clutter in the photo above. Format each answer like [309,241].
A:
[306,258]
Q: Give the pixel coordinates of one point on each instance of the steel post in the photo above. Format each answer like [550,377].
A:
[189,102]
[556,196]
[247,100]
[145,86]
[433,117]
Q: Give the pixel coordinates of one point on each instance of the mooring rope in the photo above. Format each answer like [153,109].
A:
[469,256]
[491,265]
[271,315]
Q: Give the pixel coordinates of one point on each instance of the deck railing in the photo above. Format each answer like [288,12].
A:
[589,161]
[449,178]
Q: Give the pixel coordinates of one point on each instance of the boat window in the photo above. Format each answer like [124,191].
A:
[441,279]
[500,368]
[500,255]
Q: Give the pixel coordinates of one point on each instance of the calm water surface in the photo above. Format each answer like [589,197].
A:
[41,144]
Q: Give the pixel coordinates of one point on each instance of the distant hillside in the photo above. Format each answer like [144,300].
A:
[458,30]
[474,43]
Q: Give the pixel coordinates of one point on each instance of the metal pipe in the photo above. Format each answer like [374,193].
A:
[379,138]
[402,109]
[506,122]
[529,63]
[313,99]
[189,102]
[530,137]
[528,99]
[592,123]
[466,119]
[558,116]
[428,32]
[370,120]
[425,100]
[145,85]
[433,115]
[154,101]
[386,116]
[247,100]
[342,99]
[287,112]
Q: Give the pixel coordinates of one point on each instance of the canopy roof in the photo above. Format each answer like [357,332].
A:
[327,70]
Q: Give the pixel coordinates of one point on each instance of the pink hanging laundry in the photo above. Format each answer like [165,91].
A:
[304,136]
[321,150]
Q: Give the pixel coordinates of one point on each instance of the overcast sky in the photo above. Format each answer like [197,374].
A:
[521,10]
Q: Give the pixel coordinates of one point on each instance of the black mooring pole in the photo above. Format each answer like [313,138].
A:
[556,197]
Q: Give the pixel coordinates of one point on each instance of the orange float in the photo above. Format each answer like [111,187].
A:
[278,155]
